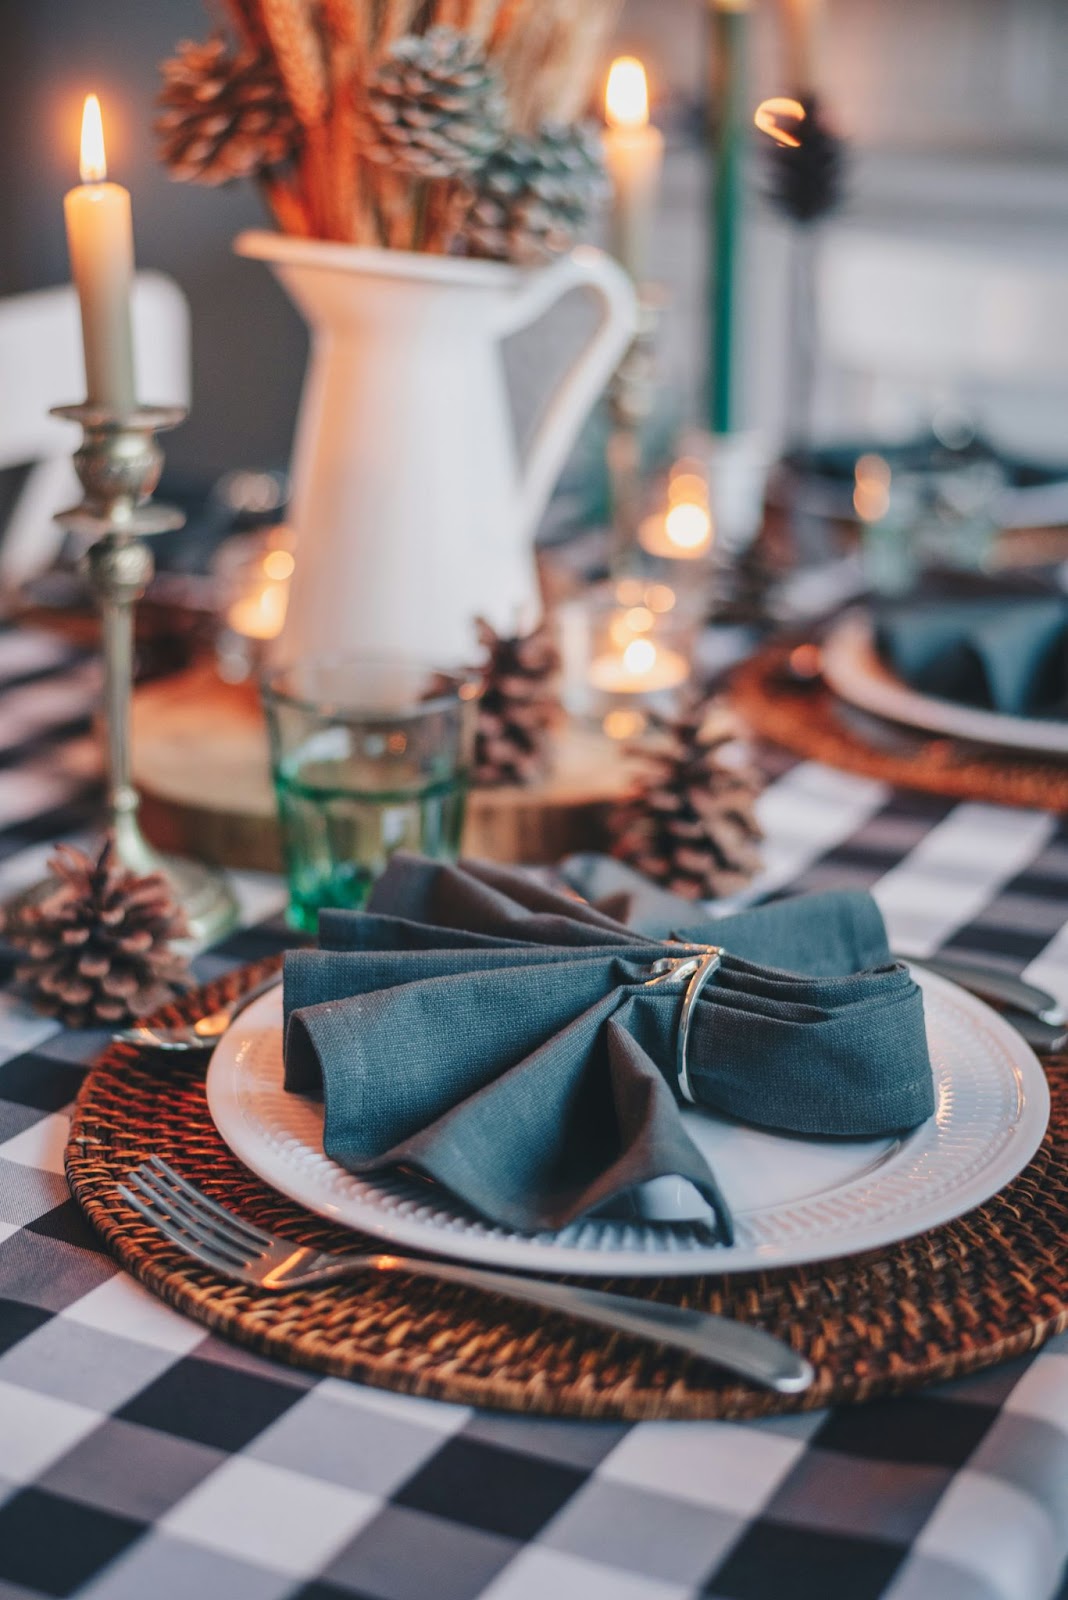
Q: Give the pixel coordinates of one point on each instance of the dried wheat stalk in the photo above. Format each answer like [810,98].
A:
[248,22]
[348,53]
[396,18]
[478,17]
[298,49]
[548,52]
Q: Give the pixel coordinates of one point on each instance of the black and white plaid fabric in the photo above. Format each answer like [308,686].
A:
[141,1458]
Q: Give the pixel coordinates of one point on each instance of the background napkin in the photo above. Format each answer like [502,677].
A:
[1008,654]
[500,1037]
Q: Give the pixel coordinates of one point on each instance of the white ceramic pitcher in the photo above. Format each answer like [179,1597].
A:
[412,509]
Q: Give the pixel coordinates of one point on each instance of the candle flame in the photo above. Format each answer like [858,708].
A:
[871,492]
[626,96]
[93,164]
[767,116]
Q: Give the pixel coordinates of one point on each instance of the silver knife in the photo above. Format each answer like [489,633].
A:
[997,988]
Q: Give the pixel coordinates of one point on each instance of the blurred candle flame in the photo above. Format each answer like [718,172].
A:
[639,656]
[93,164]
[767,116]
[688,526]
[624,722]
[871,490]
[626,96]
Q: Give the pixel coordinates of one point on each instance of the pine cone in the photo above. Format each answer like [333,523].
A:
[534,194]
[96,950]
[807,179]
[436,108]
[690,825]
[518,706]
[223,116]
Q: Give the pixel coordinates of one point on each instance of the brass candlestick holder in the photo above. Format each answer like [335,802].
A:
[118,464]
[631,395]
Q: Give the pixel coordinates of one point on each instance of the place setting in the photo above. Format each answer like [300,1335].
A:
[906,1140]
[957,689]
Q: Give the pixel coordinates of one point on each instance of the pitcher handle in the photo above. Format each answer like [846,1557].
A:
[583,268]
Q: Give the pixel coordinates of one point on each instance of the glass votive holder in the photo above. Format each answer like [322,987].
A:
[368,756]
[626,649]
[252,573]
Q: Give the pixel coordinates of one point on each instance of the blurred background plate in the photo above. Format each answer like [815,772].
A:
[855,671]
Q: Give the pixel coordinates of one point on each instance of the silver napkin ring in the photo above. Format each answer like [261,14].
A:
[698,970]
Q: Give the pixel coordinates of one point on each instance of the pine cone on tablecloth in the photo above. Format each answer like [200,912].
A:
[223,116]
[807,179]
[534,194]
[518,705]
[690,825]
[435,107]
[96,950]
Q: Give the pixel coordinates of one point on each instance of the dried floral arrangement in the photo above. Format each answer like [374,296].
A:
[450,126]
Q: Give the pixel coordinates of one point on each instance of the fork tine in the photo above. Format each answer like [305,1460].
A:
[197,1197]
[218,1224]
[199,1252]
[180,1215]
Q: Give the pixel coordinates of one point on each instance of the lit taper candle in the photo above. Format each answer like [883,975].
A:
[100,243]
[634,154]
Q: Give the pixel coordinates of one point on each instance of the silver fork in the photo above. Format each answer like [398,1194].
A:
[228,1245]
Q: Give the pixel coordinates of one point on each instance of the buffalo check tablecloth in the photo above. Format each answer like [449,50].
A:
[142,1459]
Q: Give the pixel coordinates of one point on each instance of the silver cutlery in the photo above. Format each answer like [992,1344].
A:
[216,1237]
[204,1033]
[995,986]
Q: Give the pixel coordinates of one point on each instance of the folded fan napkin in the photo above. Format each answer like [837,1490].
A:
[502,1038]
[1008,654]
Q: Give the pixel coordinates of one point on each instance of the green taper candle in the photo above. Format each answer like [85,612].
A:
[727,126]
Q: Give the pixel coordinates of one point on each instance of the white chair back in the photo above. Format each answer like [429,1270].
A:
[41,366]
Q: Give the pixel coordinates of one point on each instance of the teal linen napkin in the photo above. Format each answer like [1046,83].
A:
[501,1038]
[1004,654]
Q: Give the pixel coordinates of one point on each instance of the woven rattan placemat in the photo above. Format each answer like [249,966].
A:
[807,718]
[981,1290]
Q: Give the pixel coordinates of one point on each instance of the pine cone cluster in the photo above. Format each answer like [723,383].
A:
[436,108]
[534,194]
[518,705]
[690,824]
[96,950]
[223,116]
[807,180]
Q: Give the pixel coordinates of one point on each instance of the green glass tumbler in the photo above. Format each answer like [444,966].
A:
[368,757]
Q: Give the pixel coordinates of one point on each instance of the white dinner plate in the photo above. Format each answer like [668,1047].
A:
[793,1199]
[853,668]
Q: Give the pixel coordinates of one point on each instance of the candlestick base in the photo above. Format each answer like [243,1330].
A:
[203,893]
[119,463]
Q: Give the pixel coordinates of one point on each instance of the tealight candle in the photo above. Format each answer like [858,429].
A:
[260,610]
[634,153]
[100,245]
[641,667]
[684,532]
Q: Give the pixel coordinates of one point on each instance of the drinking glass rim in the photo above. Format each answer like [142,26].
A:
[458,678]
